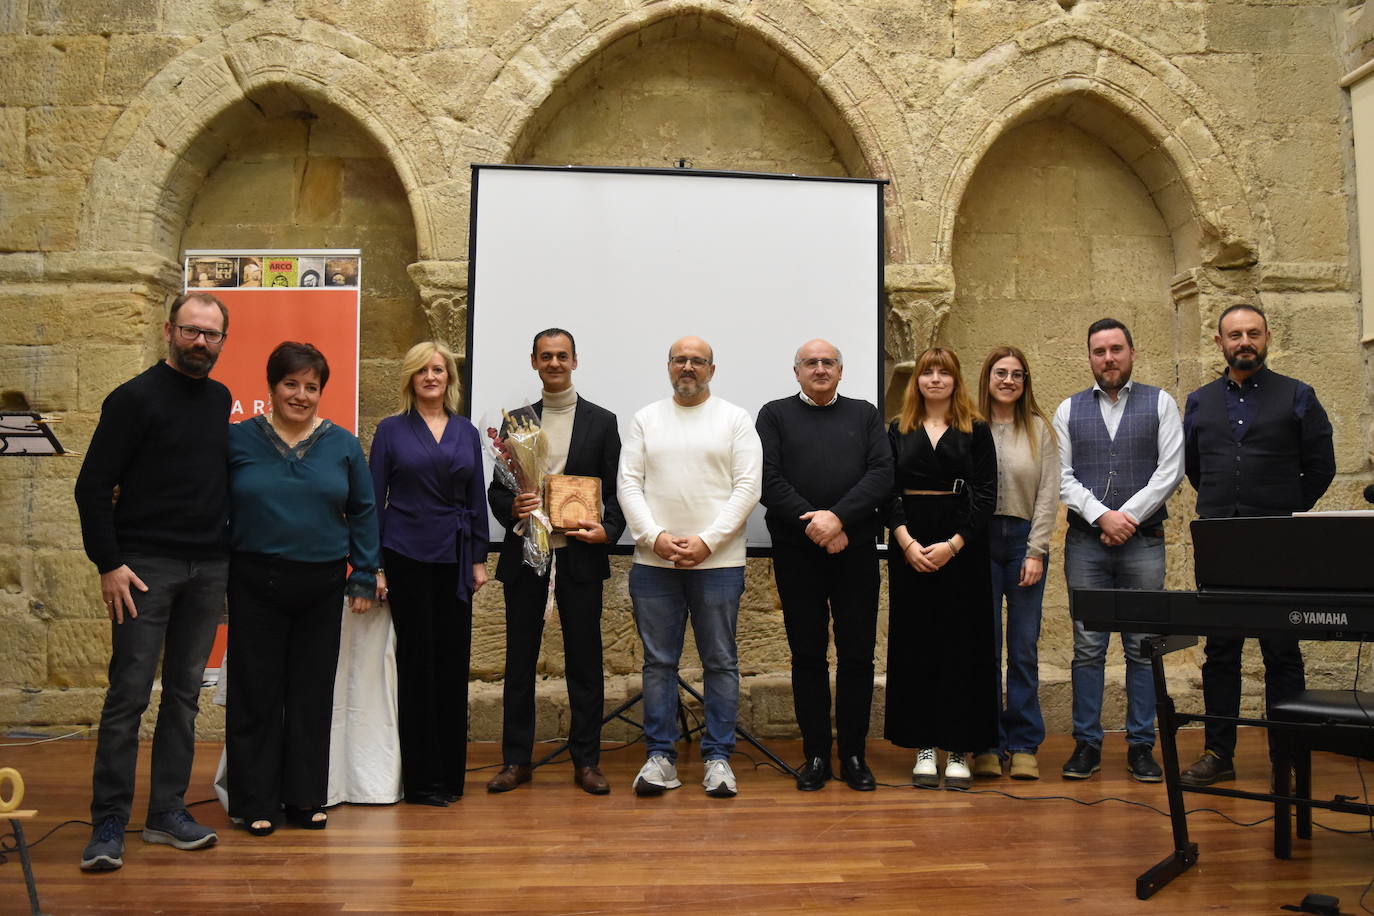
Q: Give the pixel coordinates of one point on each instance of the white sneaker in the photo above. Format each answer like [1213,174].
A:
[925,773]
[657,774]
[957,775]
[719,780]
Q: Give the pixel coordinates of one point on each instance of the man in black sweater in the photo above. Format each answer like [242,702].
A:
[1255,443]
[826,468]
[161,547]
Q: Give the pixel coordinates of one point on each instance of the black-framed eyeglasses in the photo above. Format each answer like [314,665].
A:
[697,362]
[1016,375]
[189,333]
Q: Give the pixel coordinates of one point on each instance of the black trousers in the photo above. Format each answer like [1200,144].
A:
[579,613]
[284,621]
[816,587]
[433,655]
[1283,676]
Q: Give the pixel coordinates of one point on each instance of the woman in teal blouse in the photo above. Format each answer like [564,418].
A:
[301,513]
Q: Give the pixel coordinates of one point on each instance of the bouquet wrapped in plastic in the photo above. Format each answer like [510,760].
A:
[520,460]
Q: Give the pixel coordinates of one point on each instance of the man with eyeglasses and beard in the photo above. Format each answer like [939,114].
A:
[690,473]
[161,547]
[1255,443]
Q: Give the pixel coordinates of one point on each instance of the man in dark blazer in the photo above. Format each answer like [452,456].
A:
[584,441]
[1255,443]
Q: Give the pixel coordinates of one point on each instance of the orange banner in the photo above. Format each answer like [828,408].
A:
[259,319]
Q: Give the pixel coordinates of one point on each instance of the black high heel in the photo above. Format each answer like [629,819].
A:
[249,825]
[305,818]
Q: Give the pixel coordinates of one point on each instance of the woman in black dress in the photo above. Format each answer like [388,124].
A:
[941,675]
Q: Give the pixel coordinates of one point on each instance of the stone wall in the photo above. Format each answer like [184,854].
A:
[1048,161]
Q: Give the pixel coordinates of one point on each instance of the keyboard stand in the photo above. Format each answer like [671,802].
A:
[1184,855]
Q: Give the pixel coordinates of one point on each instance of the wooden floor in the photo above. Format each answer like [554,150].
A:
[549,848]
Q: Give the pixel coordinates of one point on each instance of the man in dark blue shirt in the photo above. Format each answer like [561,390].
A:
[1255,443]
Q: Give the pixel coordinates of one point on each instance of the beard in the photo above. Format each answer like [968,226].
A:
[195,360]
[690,387]
[1123,376]
[1247,361]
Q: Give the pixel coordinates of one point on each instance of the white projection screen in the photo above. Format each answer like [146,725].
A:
[629,260]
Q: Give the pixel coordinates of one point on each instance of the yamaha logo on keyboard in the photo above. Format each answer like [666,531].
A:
[1318,618]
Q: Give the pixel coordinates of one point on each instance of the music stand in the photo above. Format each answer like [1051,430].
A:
[26,432]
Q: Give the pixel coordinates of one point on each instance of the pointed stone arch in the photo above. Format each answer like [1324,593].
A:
[174,131]
[1133,100]
[812,54]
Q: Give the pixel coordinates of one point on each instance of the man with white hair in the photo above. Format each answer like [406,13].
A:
[826,467]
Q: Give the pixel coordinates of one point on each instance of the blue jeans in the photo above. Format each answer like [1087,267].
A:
[663,600]
[1022,728]
[1088,563]
[176,622]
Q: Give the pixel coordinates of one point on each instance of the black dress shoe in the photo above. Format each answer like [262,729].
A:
[857,775]
[432,799]
[1141,764]
[1085,761]
[813,774]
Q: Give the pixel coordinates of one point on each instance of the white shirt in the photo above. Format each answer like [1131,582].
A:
[690,470]
[1168,470]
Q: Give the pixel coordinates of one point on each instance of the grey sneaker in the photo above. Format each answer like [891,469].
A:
[177,828]
[718,779]
[105,851]
[657,774]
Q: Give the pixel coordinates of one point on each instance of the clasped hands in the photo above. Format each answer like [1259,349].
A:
[1117,527]
[927,559]
[825,529]
[683,551]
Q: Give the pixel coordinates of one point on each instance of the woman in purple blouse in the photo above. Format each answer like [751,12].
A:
[427,471]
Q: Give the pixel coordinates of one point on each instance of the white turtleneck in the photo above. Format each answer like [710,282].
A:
[557,423]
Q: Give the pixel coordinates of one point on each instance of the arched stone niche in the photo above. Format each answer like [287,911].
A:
[807,56]
[286,171]
[176,132]
[687,90]
[1113,89]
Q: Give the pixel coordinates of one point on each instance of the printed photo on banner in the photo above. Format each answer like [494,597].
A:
[279,272]
[276,297]
[311,272]
[207,272]
[250,272]
[341,272]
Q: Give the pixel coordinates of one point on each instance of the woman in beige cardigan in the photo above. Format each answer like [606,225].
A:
[1019,538]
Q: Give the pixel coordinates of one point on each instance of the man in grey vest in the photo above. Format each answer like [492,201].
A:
[1121,456]
[1256,443]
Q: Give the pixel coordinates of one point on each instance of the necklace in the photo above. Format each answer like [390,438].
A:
[287,438]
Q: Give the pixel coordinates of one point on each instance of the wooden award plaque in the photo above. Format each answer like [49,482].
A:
[570,498]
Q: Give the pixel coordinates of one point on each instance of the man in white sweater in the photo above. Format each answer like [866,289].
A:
[691,471]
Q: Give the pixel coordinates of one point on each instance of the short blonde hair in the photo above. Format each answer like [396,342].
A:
[419,356]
